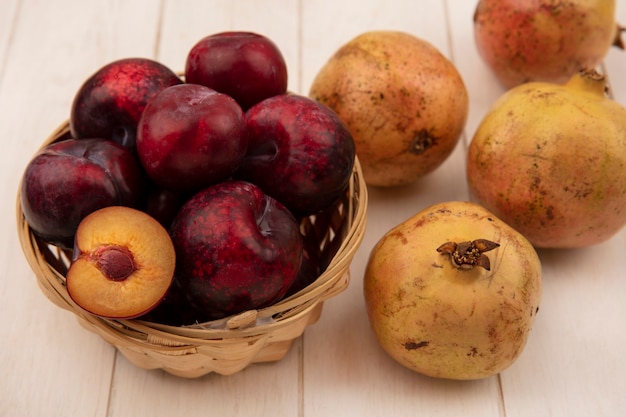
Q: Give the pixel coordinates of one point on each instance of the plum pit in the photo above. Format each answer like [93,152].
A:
[115,262]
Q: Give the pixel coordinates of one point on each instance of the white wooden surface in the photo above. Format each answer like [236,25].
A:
[574,362]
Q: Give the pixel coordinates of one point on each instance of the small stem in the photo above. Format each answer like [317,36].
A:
[590,80]
[467,255]
[618,41]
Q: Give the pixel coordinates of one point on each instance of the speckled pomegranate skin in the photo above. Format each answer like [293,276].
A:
[542,40]
[237,249]
[110,102]
[299,152]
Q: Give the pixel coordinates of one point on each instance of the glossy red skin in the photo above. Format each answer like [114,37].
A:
[191,136]
[110,102]
[310,268]
[173,310]
[163,204]
[237,249]
[299,152]
[69,179]
[247,66]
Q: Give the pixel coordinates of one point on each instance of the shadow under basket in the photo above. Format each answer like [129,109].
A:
[228,345]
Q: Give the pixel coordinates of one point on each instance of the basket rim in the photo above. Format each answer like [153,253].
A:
[267,319]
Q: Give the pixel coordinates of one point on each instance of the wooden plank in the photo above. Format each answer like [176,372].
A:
[482,87]
[9,10]
[185,22]
[261,389]
[342,360]
[616,61]
[573,362]
[269,389]
[54,366]
[574,365]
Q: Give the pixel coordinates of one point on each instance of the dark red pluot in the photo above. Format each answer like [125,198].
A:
[190,136]
[69,179]
[237,249]
[247,66]
[110,102]
[299,152]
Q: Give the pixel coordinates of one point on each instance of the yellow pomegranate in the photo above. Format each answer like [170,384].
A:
[550,160]
[403,101]
[453,292]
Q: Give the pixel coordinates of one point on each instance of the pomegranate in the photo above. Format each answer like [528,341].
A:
[403,101]
[544,40]
[453,292]
[550,160]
